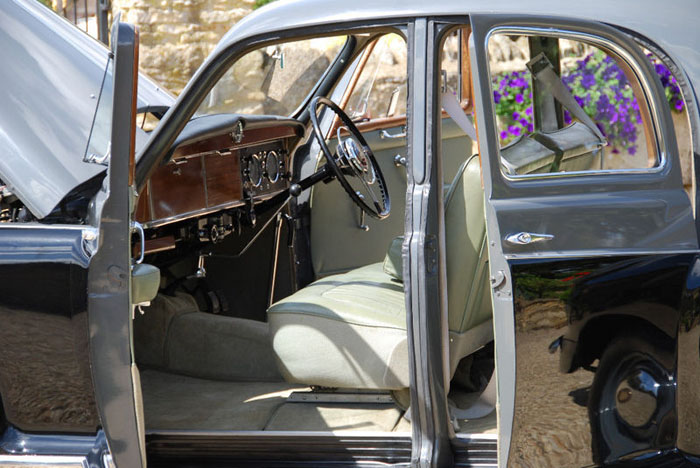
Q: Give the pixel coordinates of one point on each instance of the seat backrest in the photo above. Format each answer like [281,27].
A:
[468,290]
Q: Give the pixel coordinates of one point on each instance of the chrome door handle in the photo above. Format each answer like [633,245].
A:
[525,238]
[137,227]
[386,135]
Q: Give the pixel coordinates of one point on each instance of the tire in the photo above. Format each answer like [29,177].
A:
[631,405]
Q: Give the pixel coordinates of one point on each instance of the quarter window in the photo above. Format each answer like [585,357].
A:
[380,91]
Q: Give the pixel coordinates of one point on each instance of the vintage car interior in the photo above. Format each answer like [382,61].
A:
[262,322]
[284,309]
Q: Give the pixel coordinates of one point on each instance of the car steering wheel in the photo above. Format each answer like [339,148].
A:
[353,164]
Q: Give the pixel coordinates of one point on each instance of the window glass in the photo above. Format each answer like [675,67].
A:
[679,115]
[273,80]
[381,88]
[457,131]
[454,66]
[591,120]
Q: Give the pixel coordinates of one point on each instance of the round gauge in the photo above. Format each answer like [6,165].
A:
[272,166]
[253,170]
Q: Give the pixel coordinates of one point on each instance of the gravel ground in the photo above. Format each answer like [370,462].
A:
[551,427]
[44,374]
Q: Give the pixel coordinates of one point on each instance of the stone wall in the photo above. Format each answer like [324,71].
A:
[177,35]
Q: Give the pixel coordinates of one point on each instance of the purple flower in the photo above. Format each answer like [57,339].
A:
[523,122]
[632,150]
[567,117]
[530,128]
[528,111]
[515,116]
[519,98]
[496,97]
[513,130]
[504,135]
[587,81]
[678,105]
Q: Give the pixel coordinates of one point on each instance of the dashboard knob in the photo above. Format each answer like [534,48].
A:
[295,190]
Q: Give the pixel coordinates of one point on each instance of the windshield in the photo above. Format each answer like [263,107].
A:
[273,80]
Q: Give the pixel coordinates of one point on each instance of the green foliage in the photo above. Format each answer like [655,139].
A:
[259,3]
[45,3]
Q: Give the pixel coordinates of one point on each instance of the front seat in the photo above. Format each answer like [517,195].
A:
[349,330]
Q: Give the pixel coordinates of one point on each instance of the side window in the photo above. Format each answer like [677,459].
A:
[564,106]
[380,91]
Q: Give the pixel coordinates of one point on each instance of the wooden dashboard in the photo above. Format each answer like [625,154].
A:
[216,169]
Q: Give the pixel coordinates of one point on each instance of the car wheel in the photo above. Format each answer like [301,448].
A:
[631,405]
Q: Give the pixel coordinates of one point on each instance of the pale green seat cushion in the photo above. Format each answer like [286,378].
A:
[468,287]
[393,262]
[343,330]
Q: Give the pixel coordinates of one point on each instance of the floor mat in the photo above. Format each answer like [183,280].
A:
[334,417]
[174,401]
[178,402]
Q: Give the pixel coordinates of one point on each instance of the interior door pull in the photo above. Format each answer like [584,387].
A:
[525,238]
[384,134]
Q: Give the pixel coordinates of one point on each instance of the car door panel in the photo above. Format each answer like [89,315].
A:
[115,375]
[338,243]
[583,265]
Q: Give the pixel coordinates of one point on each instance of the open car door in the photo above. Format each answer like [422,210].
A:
[115,377]
[588,259]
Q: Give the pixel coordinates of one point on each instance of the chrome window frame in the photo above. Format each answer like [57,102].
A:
[642,78]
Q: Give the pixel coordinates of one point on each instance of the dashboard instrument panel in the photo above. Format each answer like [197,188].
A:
[219,170]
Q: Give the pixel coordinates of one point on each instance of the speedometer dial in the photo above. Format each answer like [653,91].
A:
[272,166]
[253,170]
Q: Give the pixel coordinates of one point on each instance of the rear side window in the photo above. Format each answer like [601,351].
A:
[567,106]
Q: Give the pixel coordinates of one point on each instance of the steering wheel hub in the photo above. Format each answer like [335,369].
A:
[356,159]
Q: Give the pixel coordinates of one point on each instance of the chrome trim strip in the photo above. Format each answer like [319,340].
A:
[476,437]
[67,227]
[271,434]
[596,253]
[641,78]
[191,214]
[204,211]
[43,461]
[204,180]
